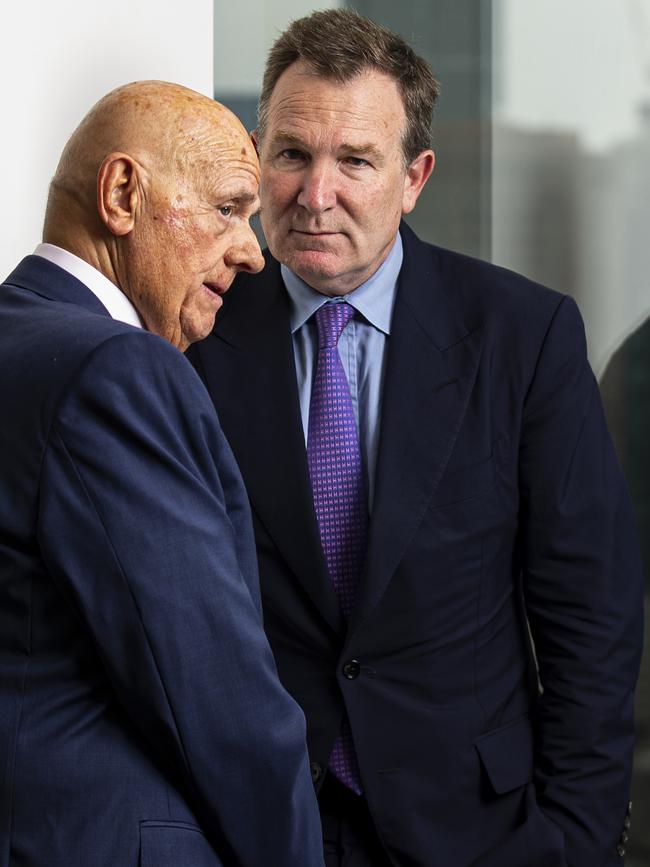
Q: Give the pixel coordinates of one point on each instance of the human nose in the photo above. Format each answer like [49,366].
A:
[245,253]
[317,193]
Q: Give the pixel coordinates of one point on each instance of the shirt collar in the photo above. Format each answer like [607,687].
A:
[374,299]
[113,299]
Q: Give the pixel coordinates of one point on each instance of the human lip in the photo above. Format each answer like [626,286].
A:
[314,233]
[216,289]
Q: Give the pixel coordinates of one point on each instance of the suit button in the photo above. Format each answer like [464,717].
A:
[624,838]
[620,849]
[316,771]
[352,669]
[627,823]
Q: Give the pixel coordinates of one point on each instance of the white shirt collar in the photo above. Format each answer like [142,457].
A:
[113,299]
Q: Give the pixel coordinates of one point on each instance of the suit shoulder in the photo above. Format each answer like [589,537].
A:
[514,314]
[506,305]
[491,286]
[137,385]
[50,345]
[138,360]
[43,327]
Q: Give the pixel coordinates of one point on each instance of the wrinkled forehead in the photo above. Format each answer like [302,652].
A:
[369,89]
[219,141]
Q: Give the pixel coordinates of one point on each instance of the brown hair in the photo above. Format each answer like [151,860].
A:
[339,44]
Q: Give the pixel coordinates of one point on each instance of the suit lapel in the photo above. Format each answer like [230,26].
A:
[431,368]
[252,380]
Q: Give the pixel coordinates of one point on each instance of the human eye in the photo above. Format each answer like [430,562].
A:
[291,155]
[356,162]
[226,210]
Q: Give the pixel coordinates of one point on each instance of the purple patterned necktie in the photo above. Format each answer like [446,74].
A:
[334,461]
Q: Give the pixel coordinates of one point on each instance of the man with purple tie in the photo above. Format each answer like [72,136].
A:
[449,569]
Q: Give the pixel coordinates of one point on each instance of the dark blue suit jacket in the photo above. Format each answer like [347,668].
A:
[499,507]
[141,719]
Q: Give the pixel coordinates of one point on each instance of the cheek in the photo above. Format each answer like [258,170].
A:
[277,190]
[180,230]
[383,209]
[193,250]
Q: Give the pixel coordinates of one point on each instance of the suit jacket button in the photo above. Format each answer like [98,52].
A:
[627,823]
[620,849]
[316,771]
[352,669]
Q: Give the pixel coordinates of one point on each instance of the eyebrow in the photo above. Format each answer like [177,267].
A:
[369,150]
[242,198]
[282,136]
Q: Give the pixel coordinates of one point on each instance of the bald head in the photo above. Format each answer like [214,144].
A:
[163,126]
[149,168]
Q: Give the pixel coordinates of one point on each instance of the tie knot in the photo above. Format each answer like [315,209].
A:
[331,319]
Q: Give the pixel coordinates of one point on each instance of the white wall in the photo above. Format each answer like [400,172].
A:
[58,58]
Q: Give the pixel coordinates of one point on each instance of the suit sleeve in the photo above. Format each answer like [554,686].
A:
[143,525]
[583,590]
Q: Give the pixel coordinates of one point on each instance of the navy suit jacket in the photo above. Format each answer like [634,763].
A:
[141,718]
[499,510]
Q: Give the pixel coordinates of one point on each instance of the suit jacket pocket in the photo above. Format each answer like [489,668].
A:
[175,844]
[507,755]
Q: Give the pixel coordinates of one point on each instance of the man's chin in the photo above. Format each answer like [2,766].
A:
[199,327]
[323,281]
[314,264]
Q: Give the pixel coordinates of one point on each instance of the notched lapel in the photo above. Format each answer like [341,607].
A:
[250,372]
[431,368]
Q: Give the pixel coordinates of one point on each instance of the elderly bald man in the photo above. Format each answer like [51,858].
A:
[141,719]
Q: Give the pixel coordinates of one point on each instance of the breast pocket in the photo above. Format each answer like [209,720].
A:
[175,844]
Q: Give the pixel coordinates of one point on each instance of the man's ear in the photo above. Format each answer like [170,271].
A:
[117,193]
[256,141]
[417,175]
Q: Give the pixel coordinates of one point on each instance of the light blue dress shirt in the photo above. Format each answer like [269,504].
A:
[362,348]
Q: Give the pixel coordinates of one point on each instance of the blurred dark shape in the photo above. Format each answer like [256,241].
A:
[625,388]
